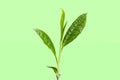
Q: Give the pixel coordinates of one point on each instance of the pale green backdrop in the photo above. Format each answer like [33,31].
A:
[94,55]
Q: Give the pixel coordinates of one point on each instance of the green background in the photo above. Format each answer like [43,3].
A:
[94,55]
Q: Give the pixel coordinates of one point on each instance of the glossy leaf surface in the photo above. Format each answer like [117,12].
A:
[75,29]
[46,39]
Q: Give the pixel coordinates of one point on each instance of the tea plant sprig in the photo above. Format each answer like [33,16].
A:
[74,30]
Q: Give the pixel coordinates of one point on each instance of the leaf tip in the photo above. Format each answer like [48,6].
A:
[48,66]
[35,29]
[85,14]
[63,12]
[62,9]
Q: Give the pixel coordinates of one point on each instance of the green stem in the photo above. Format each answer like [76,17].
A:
[57,77]
[58,60]
[59,56]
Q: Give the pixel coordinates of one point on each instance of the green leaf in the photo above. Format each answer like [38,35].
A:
[54,69]
[47,41]
[64,28]
[62,23]
[75,29]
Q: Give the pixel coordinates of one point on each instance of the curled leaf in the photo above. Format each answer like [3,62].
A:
[62,23]
[47,41]
[54,69]
[75,29]
[64,28]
